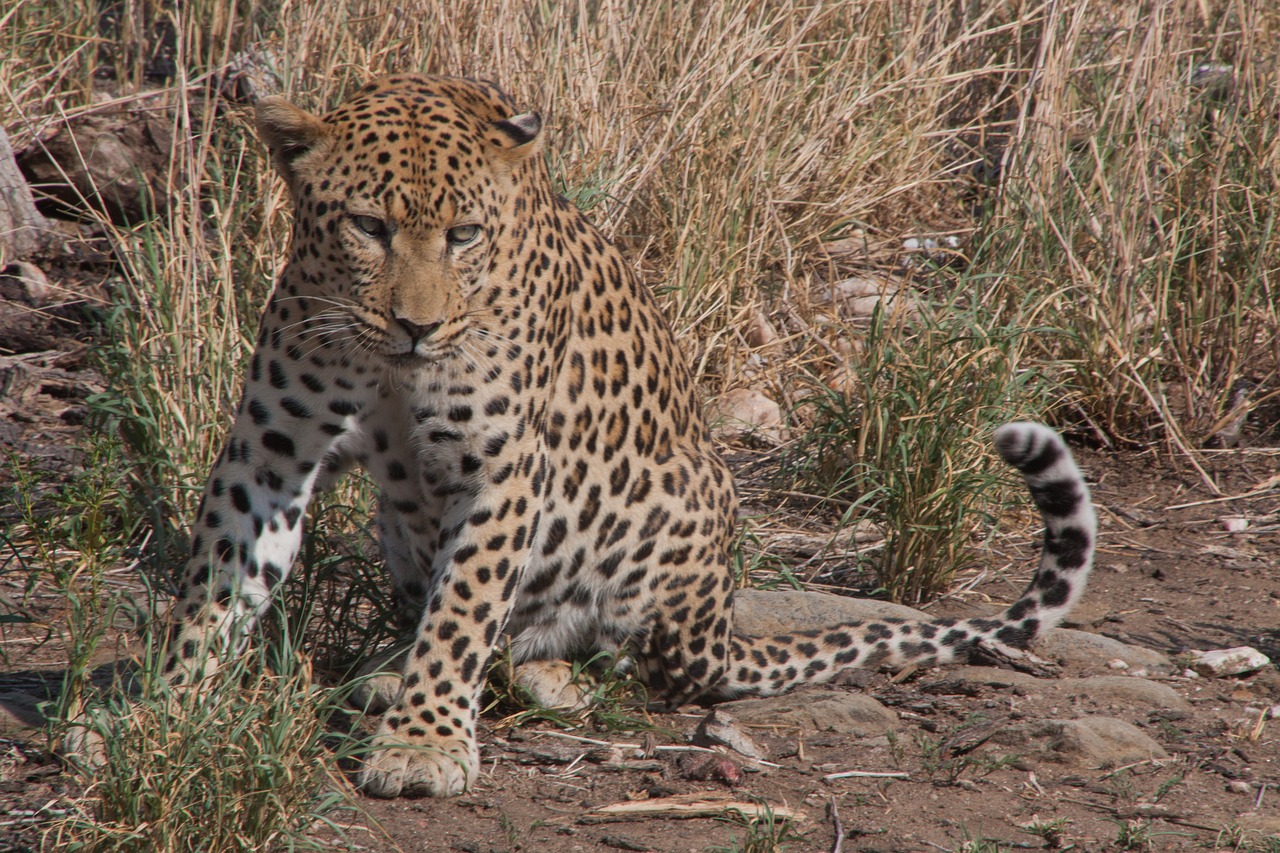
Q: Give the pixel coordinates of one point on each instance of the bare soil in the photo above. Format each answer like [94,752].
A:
[1170,577]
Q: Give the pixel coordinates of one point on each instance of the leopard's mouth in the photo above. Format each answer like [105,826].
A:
[401,354]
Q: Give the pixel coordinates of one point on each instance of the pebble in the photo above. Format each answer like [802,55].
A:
[761,332]
[1220,663]
[719,728]
[747,411]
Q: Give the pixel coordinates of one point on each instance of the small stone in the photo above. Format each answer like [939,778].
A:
[761,332]
[1254,822]
[1221,663]
[1234,523]
[1116,663]
[746,411]
[34,283]
[719,728]
[1120,691]
[915,244]
[1237,786]
[859,296]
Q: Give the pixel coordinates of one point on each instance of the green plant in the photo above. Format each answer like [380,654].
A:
[68,539]
[1134,835]
[613,699]
[1052,832]
[907,440]
[765,833]
[248,758]
[979,845]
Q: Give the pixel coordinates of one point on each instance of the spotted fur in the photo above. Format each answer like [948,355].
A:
[451,324]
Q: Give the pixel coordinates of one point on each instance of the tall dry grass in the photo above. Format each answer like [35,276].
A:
[1141,178]
[723,142]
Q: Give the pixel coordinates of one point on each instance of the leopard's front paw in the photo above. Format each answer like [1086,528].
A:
[401,766]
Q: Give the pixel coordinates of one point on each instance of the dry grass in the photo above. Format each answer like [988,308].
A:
[723,142]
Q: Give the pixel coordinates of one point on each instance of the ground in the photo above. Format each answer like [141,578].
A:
[964,757]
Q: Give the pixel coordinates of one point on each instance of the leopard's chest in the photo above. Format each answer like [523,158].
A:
[464,440]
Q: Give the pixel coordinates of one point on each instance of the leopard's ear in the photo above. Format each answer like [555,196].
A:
[518,137]
[289,133]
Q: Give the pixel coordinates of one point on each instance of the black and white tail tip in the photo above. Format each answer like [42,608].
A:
[1059,491]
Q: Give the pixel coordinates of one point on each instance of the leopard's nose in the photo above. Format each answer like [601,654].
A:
[417,331]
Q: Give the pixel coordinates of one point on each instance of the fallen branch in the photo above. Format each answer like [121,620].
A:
[697,804]
[864,774]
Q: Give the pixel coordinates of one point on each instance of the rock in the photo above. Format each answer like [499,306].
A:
[746,411]
[1234,523]
[719,728]
[31,281]
[1122,690]
[929,244]
[759,613]
[1221,663]
[1079,648]
[817,711]
[24,326]
[115,159]
[1268,825]
[20,712]
[761,332]
[859,296]
[1104,742]
[1096,741]
[990,676]
[22,227]
[855,244]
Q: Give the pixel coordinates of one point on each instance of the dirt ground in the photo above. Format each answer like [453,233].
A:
[1171,577]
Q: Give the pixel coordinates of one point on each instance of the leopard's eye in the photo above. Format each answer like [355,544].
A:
[462,235]
[372,226]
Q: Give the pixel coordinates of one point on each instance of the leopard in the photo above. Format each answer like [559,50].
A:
[546,479]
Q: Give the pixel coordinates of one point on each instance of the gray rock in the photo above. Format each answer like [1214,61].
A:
[1095,741]
[991,676]
[1221,663]
[817,710]
[759,613]
[719,728]
[1080,648]
[20,712]
[1268,825]
[1103,742]
[1123,691]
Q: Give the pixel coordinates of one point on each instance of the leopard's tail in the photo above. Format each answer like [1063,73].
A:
[1070,530]
[763,666]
